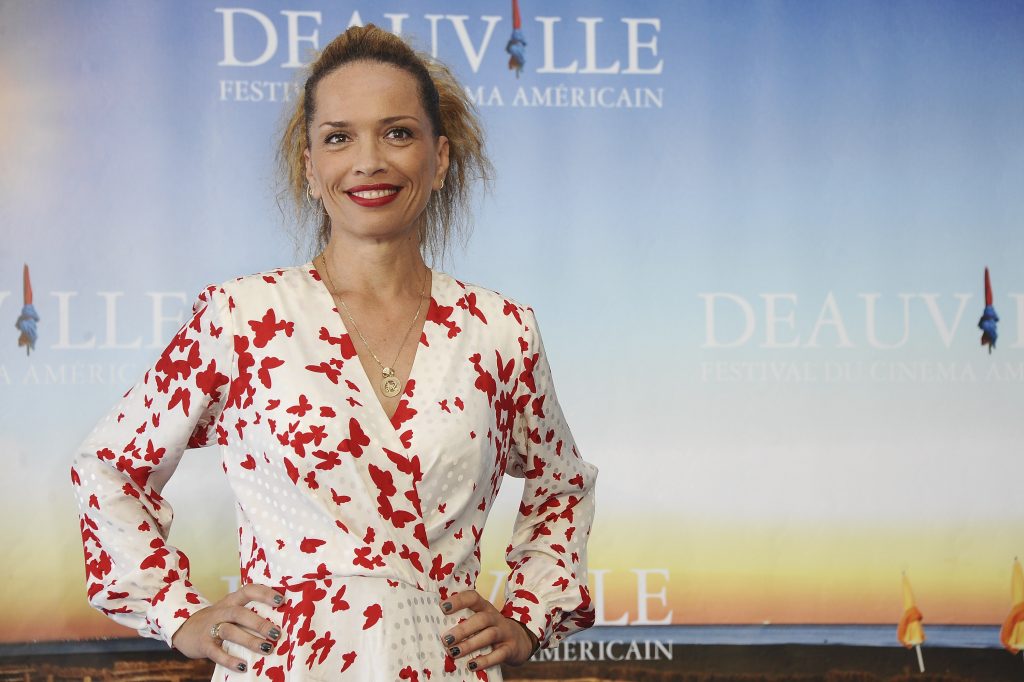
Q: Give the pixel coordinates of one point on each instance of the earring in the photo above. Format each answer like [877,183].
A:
[314,204]
[442,183]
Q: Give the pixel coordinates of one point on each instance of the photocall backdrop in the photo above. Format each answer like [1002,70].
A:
[754,235]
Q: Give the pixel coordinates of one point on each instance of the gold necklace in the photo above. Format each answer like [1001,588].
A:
[389,383]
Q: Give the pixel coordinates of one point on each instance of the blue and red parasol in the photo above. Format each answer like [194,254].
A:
[516,46]
[989,319]
[26,323]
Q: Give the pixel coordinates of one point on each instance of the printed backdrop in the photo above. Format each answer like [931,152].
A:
[754,235]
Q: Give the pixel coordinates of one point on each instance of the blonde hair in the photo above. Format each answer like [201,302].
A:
[451,113]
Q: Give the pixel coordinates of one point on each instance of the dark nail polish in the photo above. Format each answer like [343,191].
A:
[278,599]
[449,640]
[455,651]
[274,634]
[266,647]
[472,665]
[241,667]
[446,607]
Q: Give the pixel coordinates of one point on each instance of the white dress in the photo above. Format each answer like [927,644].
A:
[364,523]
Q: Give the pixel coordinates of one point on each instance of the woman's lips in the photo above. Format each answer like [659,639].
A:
[371,196]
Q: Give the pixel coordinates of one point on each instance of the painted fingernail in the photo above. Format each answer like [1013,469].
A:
[449,640]
[278,599]
[446,606]
[274,634]
[241,667]
[455,651]
[472,665]
[266,647]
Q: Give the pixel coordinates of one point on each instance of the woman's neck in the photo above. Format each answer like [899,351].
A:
[382,270]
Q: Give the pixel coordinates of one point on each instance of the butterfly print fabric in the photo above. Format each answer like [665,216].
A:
[364,523]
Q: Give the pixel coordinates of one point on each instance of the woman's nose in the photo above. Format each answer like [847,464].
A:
[369,160]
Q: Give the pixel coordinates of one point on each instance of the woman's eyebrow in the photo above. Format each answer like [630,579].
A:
[389,119]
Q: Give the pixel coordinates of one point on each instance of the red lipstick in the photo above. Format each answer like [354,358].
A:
[373,195]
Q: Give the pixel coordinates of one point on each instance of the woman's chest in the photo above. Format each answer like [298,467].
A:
[303,407]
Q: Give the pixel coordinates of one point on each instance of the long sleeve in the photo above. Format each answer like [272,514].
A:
[132,574]
[547,587]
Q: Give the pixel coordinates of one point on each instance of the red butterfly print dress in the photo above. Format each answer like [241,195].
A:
[364,523]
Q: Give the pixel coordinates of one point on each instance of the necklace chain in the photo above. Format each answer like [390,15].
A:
[390,386]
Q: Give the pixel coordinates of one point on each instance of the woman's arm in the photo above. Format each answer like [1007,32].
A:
[132,573]
[547,587]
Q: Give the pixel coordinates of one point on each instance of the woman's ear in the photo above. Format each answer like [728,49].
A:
[314,189]
[442,161]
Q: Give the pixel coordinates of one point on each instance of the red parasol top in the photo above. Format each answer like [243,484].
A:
[26,286]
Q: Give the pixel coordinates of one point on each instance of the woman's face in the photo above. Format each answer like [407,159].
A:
[373,158]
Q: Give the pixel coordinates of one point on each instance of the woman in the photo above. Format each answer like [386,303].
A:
[366,408]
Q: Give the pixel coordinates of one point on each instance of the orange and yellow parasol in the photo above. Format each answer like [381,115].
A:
[910,632]
[1012,633]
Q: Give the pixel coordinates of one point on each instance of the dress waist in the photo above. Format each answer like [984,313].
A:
[372,627]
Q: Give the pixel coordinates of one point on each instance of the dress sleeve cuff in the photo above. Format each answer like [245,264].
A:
[524,608]
[171,607]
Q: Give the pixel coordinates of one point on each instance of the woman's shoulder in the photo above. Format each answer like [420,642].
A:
[270,278]
[482,301]
[255,293]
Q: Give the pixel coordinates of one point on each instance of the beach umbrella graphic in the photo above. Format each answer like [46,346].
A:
[1012,633]
[989,319]
[516,46]
[28,319]
[910,631]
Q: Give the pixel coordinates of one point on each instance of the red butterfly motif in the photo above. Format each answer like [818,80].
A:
[268,327]
[302,408]
[504,370]
[330,459]
[468,302]
[267,364]
[210,380]
[181,396]
[338,602]
[357,439]
[373,614]
[310,545]
[327,370]
[513,310]
[154,455]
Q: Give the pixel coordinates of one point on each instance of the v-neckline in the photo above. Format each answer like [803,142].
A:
[361,376]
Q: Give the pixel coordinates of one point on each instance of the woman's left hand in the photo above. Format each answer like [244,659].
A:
[510,642]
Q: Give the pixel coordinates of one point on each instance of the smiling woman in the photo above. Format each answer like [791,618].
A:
[366,407]
[357,141]
[442,100]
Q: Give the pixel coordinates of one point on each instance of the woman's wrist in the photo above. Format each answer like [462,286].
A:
[534,642]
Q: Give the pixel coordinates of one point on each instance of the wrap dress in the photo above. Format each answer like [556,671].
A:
[364,523]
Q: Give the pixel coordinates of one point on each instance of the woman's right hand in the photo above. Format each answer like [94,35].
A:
[232,621]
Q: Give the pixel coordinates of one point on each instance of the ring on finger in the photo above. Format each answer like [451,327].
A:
[215,630]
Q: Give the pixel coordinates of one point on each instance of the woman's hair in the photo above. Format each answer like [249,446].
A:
[449,109]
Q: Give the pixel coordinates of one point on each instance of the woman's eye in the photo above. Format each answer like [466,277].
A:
[399,134]
[335,138]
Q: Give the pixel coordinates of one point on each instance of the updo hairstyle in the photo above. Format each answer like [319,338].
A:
[449,109]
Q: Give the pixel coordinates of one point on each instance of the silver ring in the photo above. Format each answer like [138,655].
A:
[215,631]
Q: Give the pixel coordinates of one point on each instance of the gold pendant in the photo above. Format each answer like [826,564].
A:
[390,385]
